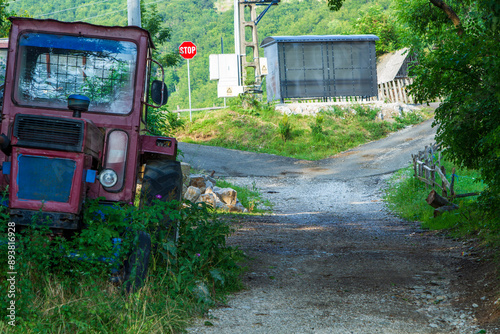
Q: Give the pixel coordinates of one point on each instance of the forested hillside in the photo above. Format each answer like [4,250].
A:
[200,22]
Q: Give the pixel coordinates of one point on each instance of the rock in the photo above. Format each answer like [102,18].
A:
[221,206]
[209,186]
[209,198]
[186,170]
[198,181]
[192,194]
[227,195]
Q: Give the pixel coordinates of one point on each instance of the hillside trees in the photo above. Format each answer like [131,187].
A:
[378,20]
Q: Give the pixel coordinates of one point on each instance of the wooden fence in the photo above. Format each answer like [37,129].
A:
[428,169]
[395,91]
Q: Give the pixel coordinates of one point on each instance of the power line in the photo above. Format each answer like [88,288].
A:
[121,10]
[64,10]
[89,4]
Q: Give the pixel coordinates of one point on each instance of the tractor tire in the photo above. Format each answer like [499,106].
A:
[162,179]
[136,265]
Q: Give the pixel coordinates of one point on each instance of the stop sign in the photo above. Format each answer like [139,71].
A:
[187,50]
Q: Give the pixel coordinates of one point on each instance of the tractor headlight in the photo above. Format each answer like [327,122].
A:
[108,178]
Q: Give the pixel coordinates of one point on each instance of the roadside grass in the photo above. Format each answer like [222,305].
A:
[264,130]
[250,198]
[406,196]
[59,292]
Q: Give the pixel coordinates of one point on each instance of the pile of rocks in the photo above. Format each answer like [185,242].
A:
[199,188]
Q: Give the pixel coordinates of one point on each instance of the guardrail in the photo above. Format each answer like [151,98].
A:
[198,109]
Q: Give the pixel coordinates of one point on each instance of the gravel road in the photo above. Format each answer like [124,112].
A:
[331,258]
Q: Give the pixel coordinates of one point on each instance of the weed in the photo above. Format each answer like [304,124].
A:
[285,127]
[63,283]
[405,195]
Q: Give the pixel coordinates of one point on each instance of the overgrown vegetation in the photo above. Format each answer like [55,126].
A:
[63,284]
[457,45]
[265,130]
[406,196]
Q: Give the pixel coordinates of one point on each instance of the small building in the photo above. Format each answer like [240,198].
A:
[320,67]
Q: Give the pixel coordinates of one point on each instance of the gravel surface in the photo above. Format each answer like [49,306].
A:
[331,258]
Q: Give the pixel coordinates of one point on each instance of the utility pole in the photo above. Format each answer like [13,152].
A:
[134,13]
[245,37]
[237,38]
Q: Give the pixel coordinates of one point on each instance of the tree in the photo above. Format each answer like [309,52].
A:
[459,63]
[4,21]
[152,20]
[379,22]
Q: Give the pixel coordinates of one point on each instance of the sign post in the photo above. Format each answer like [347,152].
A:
[187,50]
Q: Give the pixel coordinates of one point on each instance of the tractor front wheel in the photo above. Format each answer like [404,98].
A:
[162,179]
[136,266]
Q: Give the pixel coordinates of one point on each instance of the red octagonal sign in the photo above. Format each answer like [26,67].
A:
[187,50]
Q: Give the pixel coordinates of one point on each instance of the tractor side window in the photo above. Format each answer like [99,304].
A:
[3,66]
[52,67]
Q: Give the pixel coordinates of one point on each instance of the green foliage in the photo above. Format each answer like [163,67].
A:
[460,67]
[405,195]
[317,127]
[367,112]
[162,122]
[4,14]
[378,21]
[285,127]
[63,283]
[261,132]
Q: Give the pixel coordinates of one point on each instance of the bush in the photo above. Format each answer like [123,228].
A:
[63,284]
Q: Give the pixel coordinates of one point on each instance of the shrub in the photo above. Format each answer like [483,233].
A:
[285,127]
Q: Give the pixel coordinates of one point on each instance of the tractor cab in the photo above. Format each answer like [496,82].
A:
[75,103]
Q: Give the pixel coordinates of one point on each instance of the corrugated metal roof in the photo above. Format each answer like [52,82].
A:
[388,65]
[317,38]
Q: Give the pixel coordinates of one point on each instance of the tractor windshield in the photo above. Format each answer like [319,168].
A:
[52,67]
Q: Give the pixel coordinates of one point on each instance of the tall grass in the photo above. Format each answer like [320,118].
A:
[406,196]
[59,292]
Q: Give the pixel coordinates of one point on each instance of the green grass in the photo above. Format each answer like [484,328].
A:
[57,293]
[264,130]
[406,196]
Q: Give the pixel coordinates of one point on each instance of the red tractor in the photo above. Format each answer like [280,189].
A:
[75,106]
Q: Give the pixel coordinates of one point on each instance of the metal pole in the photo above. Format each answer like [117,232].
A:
[134,13]
[237,37]
[189,89]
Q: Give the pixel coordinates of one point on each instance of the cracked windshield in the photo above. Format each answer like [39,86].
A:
[54,67]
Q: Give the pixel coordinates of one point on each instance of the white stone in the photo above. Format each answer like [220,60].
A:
[227,195]
[209,199]
[192,194]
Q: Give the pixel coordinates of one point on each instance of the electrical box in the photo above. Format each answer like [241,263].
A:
[224,67]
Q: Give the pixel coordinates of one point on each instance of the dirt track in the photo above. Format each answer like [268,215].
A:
[331,259]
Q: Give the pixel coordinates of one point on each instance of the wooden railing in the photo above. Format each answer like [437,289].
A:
[428,169]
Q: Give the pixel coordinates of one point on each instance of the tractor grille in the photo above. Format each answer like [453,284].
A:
[49,132]
[45,179]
